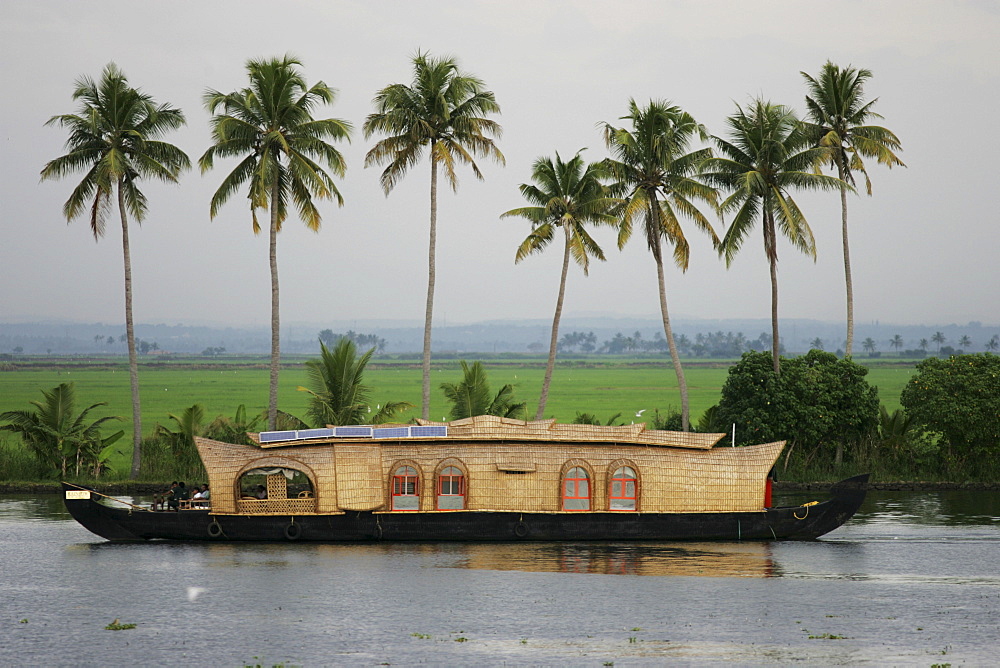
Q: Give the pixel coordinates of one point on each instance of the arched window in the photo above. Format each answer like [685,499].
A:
[451,489]
[623,491]
[576,489]
[405,489]
[273,486]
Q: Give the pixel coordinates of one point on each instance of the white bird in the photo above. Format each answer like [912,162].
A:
[639,414]
[194,592]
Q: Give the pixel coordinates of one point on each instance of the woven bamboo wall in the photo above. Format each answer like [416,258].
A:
[226,462]
[360,479]
[503,475]
[670,480]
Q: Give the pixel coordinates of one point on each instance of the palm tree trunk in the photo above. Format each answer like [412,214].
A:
[272,403]
[771,250]
[847,263]
[133,362]
[429,310]
[554,339]
[669,334]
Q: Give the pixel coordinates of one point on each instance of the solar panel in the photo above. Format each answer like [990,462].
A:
[273,436]
[314,433]
[429,431]
[391,432]
[352,432]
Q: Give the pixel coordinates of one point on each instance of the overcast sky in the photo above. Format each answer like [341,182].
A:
[924,246]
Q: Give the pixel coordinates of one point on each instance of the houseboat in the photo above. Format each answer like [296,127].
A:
[480,479]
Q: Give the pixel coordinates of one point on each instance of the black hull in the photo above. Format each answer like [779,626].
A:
[786,523]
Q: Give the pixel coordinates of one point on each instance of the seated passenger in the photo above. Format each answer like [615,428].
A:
[261,492]
[180,493]
[160,500]
[200,498]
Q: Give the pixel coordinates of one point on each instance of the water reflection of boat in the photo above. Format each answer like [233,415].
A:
[749,559]
[480,479]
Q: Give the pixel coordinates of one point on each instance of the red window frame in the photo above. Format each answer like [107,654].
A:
[571,488]
[400,484]
[454,481]
[624,482]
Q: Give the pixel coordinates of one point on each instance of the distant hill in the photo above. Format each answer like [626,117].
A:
[498,336]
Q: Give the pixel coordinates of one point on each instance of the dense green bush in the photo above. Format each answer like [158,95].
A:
[819,404]
[164,458]
[959,398]
[18,463]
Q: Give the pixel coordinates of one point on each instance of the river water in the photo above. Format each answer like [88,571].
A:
[914,579]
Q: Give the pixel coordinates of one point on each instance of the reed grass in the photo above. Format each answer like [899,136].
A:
[17,463]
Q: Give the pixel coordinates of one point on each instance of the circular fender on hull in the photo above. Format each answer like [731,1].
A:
[293,531]
[520,529]
[214,529]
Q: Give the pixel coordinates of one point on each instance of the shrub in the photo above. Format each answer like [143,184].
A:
[959,398]
[17,463]
[164,458]
[819,403]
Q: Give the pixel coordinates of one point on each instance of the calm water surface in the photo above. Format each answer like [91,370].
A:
[914,579]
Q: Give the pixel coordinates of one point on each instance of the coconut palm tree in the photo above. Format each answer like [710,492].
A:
[869,345]
[443,110]
[58,435]
[896,342]
[965,342]
[840,116]
[567,195]
[269,126]
[993,344]
[339,395]
[655,167]
[817,343]
[115,141]
[472,396]
[939,338]
[769,154]
[183,451]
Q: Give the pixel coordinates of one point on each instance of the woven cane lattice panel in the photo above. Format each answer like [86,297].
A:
[277,487]
[276,506]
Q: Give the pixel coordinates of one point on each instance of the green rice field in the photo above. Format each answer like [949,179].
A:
[599,387]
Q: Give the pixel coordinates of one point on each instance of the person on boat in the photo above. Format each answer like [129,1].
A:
[179,493]
[261,492]
[160,500]
[200,497]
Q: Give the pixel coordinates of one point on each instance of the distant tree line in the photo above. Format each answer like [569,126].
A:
[330,339]
[713,344]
